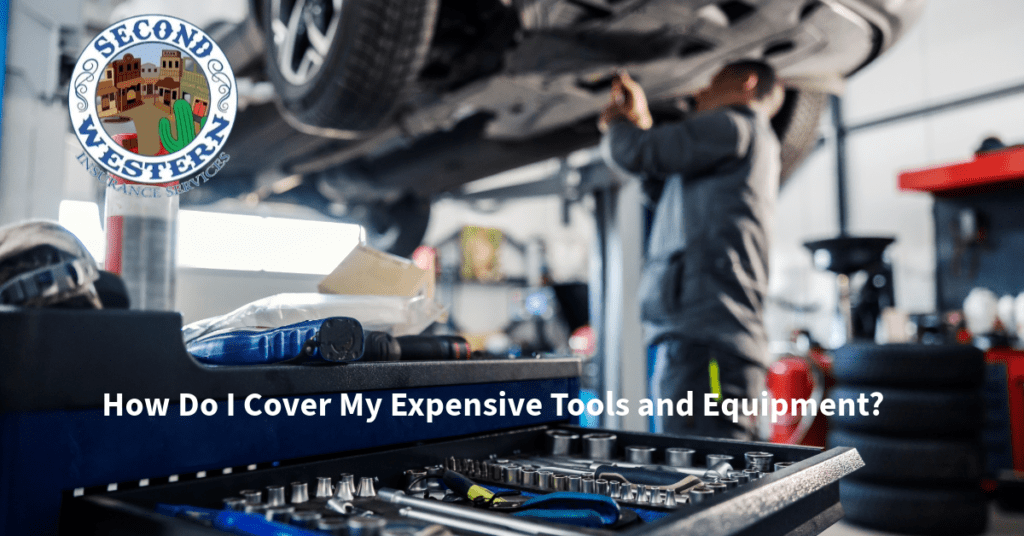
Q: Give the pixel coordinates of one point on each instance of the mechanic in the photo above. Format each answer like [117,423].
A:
[703,303]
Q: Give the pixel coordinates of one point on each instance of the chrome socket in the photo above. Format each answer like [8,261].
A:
[601,486]
[614,489]
[545,480]
[300,492]
[640,454]
[346,488]
[588,485]
[252,496]
[599,446]
[323,487]
[752,474]
[560,483]
[561,442]
[700,494]
[782,465]
[739,475]
[679,457]
[530,478]
[575,483]
[275,496]
[716,487]
[730,482]
[761,461]
[670,499]
[411,475]
[366,488]
[715,459]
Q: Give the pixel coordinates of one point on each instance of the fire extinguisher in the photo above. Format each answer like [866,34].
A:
[805,375]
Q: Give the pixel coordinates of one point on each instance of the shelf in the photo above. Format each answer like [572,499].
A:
[994,170]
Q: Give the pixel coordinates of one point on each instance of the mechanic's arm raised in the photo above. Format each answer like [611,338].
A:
[689,147]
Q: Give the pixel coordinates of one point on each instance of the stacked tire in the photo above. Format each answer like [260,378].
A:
[921,443]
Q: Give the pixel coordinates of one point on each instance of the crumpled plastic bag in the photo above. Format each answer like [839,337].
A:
[397,315]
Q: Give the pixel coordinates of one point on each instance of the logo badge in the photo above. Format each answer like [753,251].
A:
[152,101]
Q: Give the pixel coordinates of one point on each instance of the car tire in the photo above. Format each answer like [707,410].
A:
[909,413]
[796,125]
[909,510]
[397,228]
[912,461]
[373,54]
[909,365]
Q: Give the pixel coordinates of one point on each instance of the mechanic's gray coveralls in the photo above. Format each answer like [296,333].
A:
[710,297]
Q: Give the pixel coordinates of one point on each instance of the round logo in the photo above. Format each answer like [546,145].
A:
[153,100]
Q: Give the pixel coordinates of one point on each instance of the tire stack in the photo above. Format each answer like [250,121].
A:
[922,450]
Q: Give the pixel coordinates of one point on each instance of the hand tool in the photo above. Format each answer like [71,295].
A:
[720,469]
[782,465]
[306,519]
[762,461]
[275,496]
[700,494]
[300,492]
[599,446]
[469,489]
[336,339]
[236,504]
[323,487]
[415,506]
[643,494]
[512,474]
[431,348]
[366,488]
[752,474]
[588,485]
[561,442]
[640,454]
[614,489]
[577,466]
[658,496]
[715,459]
[675,478]
[468,527]
[602,486]
[346,490]
[679,457]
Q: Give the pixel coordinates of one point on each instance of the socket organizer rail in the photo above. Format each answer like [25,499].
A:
[666,485]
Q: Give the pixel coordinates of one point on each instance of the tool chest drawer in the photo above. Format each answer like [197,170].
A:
[382,491]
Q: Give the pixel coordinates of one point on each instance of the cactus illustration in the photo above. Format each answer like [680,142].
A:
[186,127]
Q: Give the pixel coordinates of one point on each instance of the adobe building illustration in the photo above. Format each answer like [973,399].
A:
[142,96]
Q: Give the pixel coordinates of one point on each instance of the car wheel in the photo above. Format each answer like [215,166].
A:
[909,365]
[909,413]
[912,461]
[397,228]
[913,510]
[341,66]
[796,125]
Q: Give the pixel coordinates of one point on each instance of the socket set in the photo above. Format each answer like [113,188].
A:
[634,480]
[552,480]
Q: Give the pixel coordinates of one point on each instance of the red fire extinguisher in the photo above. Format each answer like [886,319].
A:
[801,377]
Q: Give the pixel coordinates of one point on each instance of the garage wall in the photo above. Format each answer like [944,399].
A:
[958,48]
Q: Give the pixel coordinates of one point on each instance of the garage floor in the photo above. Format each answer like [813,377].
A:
[999,524]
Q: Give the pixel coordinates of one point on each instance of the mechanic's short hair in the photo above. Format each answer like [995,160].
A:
[765,75]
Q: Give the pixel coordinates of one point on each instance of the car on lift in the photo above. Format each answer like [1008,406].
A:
[380,106]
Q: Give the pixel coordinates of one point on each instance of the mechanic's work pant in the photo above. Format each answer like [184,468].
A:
[682,366]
